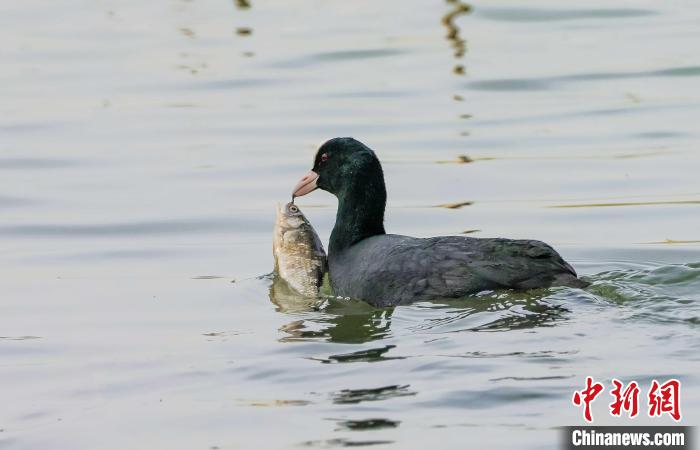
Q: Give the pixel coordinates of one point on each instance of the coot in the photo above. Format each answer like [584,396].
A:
[387,269]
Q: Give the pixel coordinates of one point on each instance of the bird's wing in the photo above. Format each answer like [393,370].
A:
[456,265]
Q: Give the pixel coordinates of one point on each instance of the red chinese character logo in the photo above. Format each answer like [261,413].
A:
[627,399]
[665,399]
[587,396]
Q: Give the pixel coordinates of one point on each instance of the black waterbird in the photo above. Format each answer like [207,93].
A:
[388,269]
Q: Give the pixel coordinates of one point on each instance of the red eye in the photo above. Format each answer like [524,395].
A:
[324,157]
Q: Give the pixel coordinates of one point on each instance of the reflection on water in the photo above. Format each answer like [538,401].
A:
[287,299]
[349,327]
[187,32]
[369,355]
[453,32]
[659,295]
[505,311]
[332,443]
[675,241]
[456,205]
[353,396]
[346,321]
[368,424]
[351,321]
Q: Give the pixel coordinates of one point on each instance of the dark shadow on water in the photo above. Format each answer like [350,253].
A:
[369,355]
[367,424]
[343,443]
[552,377]
[354,396]
[540,354]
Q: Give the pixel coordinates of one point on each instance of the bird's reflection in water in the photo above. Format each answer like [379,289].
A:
[288,300]
[494,311]
[349,321]
[368,355]
[345,321]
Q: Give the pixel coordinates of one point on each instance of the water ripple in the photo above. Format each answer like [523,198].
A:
[337,56]
[352,396]
[545,83]
[174,226]
[668,294]
[548,15]
[12,202]
[369,355]
[368,424]
[492,398]
[34,163]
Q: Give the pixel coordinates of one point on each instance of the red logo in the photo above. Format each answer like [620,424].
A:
[627,399]
[587,396]
[663,398]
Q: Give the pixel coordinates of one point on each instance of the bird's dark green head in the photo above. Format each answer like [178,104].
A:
[351,171]
[342,163]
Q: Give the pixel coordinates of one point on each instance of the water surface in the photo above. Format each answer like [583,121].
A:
[144,145]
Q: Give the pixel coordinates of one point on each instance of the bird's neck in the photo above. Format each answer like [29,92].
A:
[360,212]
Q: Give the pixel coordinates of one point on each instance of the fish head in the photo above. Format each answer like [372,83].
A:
[289,216]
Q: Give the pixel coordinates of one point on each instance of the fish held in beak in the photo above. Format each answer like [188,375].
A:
[300,259]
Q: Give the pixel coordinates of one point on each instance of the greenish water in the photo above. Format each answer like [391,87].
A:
[144,145]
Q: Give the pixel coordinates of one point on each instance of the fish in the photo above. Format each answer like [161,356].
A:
[300,259]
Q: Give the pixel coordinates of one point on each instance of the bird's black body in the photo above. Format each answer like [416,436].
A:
[386,269]
[390,269]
